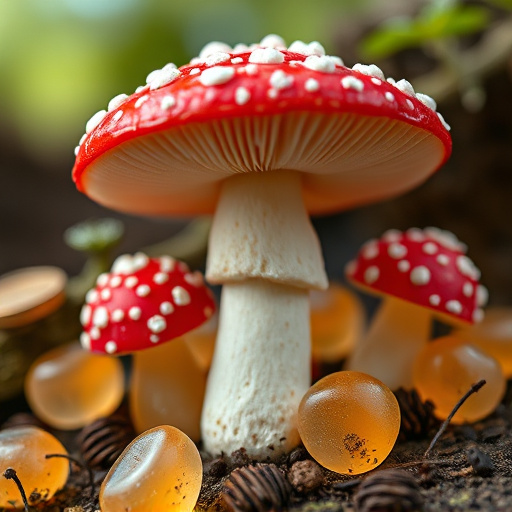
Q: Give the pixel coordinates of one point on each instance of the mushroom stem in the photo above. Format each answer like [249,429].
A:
[265,252]
[260,370]
[398,332]
[167,388]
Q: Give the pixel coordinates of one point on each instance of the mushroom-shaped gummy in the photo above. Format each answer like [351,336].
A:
[142,304]
[420,274]
[260,136]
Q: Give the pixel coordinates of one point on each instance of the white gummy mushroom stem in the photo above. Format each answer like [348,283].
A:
[265,252]
[397,334]
[260,370]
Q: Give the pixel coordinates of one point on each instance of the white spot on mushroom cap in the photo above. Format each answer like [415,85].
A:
[194,71]
[91,296]
[117,101]
[434,300]
[392,235]
[468,289]
[161,77]
[217,75]
[280,80]
[102,279]
[161,277]
[370,249]
[351,267]
[143,290]
[454,306]
[371,274]
[106,294]
[131,282]
[478,315]
[405,86]
[409,103]
[397,250]
[420,275]
[85,314]
[85,341]
[167,263]
[427,101]
[482,295]
[389,96]
[311,85]
[429,248]
[324,63]
[467,267]
[111,347]
[135,313]
[313,48]
[369,70]
[242,95]
[217,58]
[445,238]
[94,333]
[140,101]
[180,296]
[415,234]
[194,278]
[266,56]
[403,265]
[166,308]
[237,60]
[95,120]
[117,315]
[351,82]
[214,47]
[100,317]
[251,69]
[273,41]
[154,338]
[127,264]
[443,122]
[156,324]
[168,102]
[443,259]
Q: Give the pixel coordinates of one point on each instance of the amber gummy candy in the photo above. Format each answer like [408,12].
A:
[69,387]
[445,370]
[24,449]
[337,322]
[494,336]
[159,471]
[349,422]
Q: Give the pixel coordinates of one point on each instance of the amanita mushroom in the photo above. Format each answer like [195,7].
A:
[261,136]
[420,274]
[140,305]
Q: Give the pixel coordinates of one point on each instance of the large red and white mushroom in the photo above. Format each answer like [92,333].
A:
[261,136]
[151,303]
[421,274]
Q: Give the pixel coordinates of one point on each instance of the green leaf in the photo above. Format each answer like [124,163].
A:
[432,24]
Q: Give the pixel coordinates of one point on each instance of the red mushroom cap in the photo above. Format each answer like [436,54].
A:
[426,267]
[143,302]
[165,149]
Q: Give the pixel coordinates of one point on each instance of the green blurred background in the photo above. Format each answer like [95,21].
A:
[62,60]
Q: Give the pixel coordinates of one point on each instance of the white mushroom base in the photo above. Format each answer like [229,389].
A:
[252,398]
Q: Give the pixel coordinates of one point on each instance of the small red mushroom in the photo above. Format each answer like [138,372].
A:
[421,274]
[143,303]
[260,135]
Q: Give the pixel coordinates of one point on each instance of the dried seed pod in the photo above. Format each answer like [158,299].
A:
[305,476]
[103,440]
[417,416]
[22,419]
[260,488]
[392,490]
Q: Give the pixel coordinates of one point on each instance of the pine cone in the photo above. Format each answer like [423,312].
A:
[417,417]
[103,440]
[392,490]
[259,488]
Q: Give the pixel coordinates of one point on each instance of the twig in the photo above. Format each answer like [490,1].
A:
[11,474]
[474,388]
[78,463]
